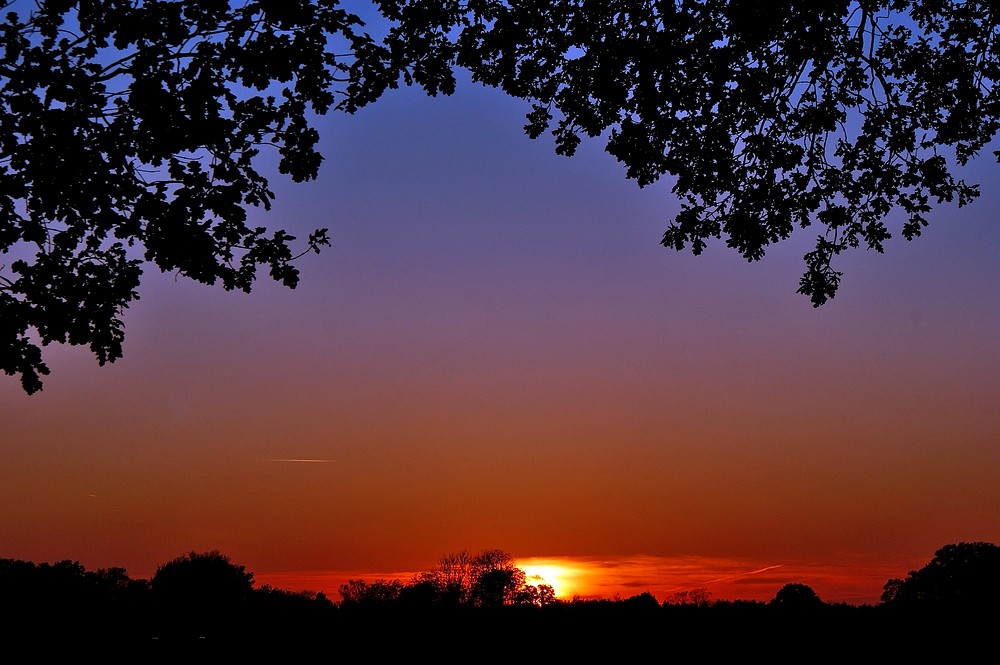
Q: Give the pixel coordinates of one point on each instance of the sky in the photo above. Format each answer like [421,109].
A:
[496,352]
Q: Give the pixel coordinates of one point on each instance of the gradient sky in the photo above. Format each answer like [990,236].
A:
[497,353]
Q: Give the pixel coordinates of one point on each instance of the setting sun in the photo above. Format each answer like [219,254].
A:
[565,579]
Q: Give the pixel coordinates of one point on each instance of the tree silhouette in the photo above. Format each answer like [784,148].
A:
[500,586]
[495,581]
[131,133]
[488,579]
[769,117]
[40,601]
[699,597]
[453,577]
[796,597]
[198,594]
[380,593]
[962,575]
[541,595]
[644,601]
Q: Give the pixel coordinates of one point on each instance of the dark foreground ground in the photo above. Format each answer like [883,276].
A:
[535,635]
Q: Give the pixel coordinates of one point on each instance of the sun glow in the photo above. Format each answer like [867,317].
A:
[564,579]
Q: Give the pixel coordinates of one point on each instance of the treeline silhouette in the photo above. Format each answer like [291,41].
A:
[478,607]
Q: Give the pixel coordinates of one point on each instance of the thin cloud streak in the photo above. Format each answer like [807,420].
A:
[735,579]
[752,572]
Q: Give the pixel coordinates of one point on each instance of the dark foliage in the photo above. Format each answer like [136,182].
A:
[201,593]
[798,597]
[131,133]
[65,599]
[460,579]
[850,116]
[963,575]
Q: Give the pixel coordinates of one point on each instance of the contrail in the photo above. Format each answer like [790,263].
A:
[302,461]
[739,575]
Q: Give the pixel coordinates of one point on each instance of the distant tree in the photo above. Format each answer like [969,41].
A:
[378,594]
[420,593]
[451,578]
[797,597]
[112,581]
[540,595]
[63,592]
[497,581]
[891,591]
[546,594]
[962,575]
[51,594]
[39,601]
[500,586]
[291,617]
[17,578]
[201,593]
[121,602]
[696,597]
[487,579]
[642,601]
[770,116]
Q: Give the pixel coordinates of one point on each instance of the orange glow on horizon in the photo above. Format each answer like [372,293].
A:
[849,581]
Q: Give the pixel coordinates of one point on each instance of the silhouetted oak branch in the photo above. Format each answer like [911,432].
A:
[130,134]
[768,116]
[130,131]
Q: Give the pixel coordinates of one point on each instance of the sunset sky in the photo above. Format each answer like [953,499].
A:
[496,353]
